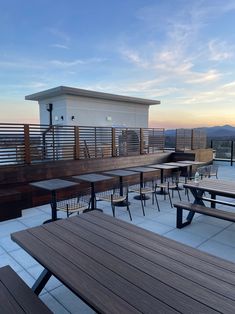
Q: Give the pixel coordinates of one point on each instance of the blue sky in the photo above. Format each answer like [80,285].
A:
[176,51]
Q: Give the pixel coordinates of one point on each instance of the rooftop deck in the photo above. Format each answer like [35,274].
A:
[208,234]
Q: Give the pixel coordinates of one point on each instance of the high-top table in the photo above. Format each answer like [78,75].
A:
[191,163]
[141,171]
[121,174]
[53,185]
[116,267]
[163,167]
[93,178]
[182,165]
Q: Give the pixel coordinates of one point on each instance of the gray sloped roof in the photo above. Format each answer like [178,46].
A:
[64,90]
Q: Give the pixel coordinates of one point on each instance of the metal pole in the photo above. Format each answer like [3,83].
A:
[231,161]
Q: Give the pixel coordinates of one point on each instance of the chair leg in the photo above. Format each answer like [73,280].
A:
[128,209]
[164,194]
[113,209]
[186,191]
[155,194]
[169,194]
[179,194]
[144,200]
[142,203]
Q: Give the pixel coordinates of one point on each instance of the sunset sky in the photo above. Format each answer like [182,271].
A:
[177,51]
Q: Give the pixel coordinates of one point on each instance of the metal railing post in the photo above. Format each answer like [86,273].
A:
[231,161]
[27,156]
[77,144]
[114,142]
[141,141]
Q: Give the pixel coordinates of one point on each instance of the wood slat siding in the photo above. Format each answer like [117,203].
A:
[119,268]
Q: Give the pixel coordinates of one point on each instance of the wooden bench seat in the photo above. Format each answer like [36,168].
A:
[16,297]
[195,208]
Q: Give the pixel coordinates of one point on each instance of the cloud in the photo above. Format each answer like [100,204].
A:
[59,46]
[59,34]
[209,76]
[219,50]
[229,85]
[68,64]
[21,64]
[134,57]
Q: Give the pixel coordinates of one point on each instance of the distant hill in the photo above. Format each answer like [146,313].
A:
[212,132]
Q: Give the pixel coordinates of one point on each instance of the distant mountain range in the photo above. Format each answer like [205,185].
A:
[214,131]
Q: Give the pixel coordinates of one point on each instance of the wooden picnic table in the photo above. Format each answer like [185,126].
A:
[117,267]
[215,187]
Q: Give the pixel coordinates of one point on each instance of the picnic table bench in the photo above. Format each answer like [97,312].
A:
[214,188]
[201,209]
[16,297]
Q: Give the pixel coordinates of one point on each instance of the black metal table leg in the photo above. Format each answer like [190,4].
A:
[41,281]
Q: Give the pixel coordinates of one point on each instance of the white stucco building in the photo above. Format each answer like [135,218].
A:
[74,106]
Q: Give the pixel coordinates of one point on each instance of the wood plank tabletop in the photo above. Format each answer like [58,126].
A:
[53,184]
[120,173]
[142,169]
[192,162]
[117,267]
[163,166]
[216,186]
[92,177]
[178,164]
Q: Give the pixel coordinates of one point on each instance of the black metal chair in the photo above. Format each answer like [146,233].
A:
[74,204]
[149,187]
[114,197]
[213,171]
[170,183]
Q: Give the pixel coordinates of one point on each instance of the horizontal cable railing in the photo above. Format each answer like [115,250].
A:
[33,143]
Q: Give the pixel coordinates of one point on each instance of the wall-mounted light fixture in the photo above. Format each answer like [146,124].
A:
[73,118]
[56,118]
[62,117]
[49,108]
[108,118]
